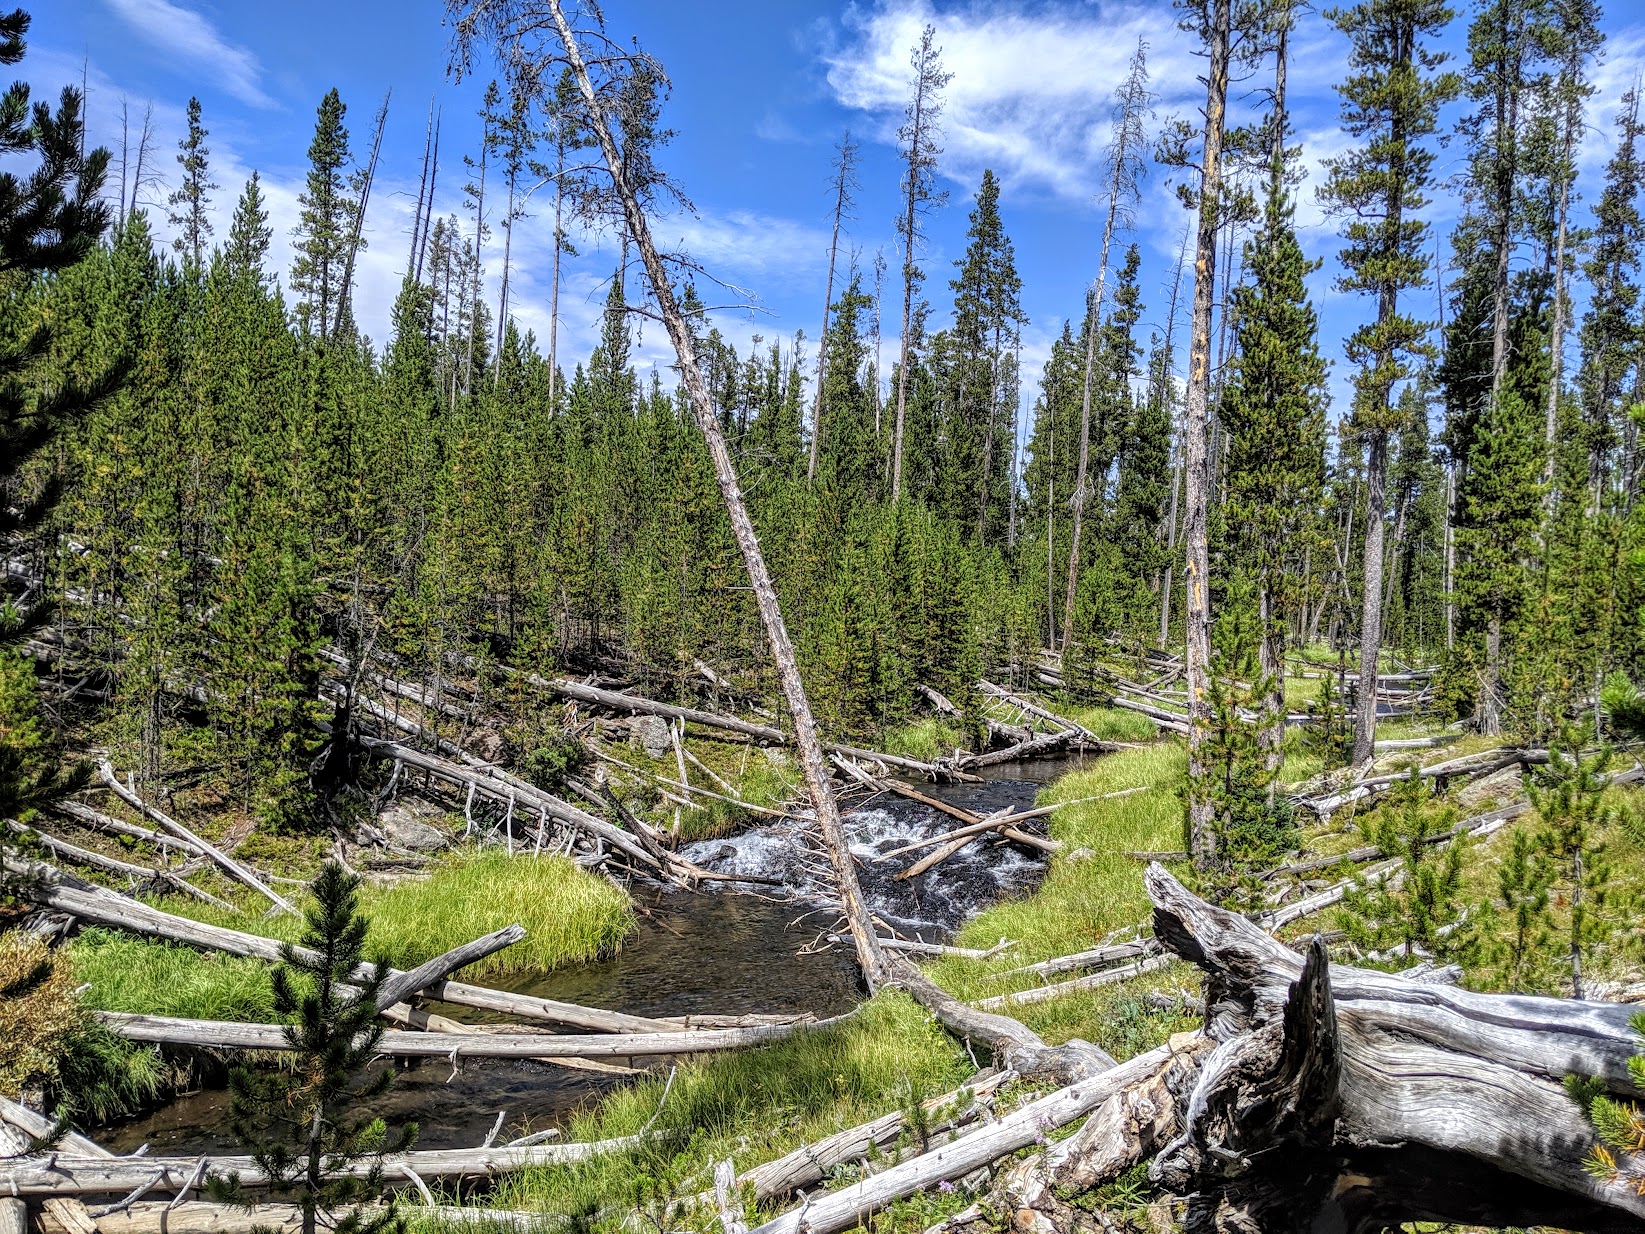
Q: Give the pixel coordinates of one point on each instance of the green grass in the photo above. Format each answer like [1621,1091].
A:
[570,916]
[751,1106]
[923,739]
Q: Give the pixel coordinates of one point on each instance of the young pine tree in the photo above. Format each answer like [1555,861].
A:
[302,1125]
[188,204]
[1421,912]
[326,226]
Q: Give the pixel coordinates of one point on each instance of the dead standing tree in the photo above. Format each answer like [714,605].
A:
[1133,104]
[845,180]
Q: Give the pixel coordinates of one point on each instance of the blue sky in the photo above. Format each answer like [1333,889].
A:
[762,92]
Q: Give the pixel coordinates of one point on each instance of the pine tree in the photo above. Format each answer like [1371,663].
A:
[1610,331]
[919,137]
[301,1126]
[249,234]
[1273,413]
[1391,101]
[188,214]
[326,226]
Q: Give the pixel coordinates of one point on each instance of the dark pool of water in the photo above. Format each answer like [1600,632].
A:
[719,952]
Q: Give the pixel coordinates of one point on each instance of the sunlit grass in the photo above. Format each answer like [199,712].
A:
[923,739]
[569,914]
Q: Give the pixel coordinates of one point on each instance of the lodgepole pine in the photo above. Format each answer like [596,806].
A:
[1196,442]
[845,179]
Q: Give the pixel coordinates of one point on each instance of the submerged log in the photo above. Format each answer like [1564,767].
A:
[1348,1099]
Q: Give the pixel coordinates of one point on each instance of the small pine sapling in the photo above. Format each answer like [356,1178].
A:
[1329,736]
[298,1123]
[1416,909]
[1569,798]
[1618,1159]
[1517,927]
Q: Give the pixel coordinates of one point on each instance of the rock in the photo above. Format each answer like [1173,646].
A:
[652,734]
[406,825]
[1504,785]
[1079,855]
[777,757]
[488,745]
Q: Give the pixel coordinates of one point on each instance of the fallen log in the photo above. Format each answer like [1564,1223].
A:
[96,819]
[1171,721]
[1096,957]
[113,865]
[402,987]
[44,886]
[37,1127]
[395,1043]
[60,1173]
[811,1164]
[634,705]
[1355,1100]
[197,1217]
[1032,748]
[1469,766]
[851,1206]
[949,842]
[1043,993]
[953,842]
[231,866]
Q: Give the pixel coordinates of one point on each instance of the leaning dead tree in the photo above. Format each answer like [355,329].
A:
[526,33]
[529,36]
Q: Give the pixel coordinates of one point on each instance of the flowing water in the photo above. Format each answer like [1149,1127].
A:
[720,951]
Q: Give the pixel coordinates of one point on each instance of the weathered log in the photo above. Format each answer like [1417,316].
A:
[1029,707]
[1468,766]
[850,1206]
[96,819]
[811,1163]
[37,1126]
[1094,958]
[69,1174]
[1353,1099]
[403,986]
[113,865]
[954,841]
[45,886]
[196,1217]
[1171,721]
[925,799]
[232,1035]
[1043,993]
[1033,747]
[231,866]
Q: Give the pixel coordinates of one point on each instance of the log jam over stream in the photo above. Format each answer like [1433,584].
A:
[711,951]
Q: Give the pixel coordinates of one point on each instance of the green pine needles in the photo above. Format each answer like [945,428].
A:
[1416,910]
[300,1124]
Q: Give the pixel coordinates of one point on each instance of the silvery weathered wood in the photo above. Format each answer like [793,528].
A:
[1361,1099]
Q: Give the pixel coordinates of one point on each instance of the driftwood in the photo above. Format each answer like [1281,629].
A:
[38,1126]
[231,866]
[1352,1100]
[1171,721]
[1113,953]
[1032,747]
[97,820]
[232,1035]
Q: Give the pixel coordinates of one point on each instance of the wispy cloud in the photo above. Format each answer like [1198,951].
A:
[1032,92]
[188,36]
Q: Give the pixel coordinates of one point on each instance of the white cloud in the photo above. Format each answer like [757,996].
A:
[186,35]
[1031,94]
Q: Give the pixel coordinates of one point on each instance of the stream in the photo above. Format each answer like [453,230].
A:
[712,951]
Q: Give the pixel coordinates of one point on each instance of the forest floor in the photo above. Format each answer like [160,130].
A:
[755,1105]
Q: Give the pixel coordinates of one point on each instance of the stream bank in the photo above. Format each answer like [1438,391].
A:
[715,951]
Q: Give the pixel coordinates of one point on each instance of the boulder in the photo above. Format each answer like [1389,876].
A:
[410,824]
[652,734]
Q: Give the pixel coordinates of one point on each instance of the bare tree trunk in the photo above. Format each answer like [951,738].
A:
[360,212]
[1016,444]
[902,355]
[1449,585]
[1556,340]
[1370,628]
[806,740]
[1202,838]
[559,244]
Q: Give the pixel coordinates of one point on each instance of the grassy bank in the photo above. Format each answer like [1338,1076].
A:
[570,916]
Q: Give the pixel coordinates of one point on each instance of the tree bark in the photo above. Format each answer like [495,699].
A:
[1370,631]
[1202,839]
